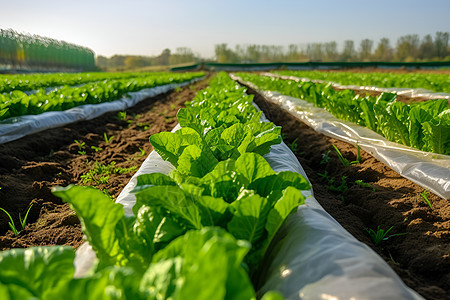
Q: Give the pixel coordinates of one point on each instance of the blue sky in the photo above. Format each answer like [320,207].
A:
[141,27]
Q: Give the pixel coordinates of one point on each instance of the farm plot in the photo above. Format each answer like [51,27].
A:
[103,152]
[366,197]
[165,245]
[18,103]
[433,82]
[221,179]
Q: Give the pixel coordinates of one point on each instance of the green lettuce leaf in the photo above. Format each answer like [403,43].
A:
[99,217]
[35,270]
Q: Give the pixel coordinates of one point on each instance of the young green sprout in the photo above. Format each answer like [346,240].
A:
[342,187]
[425,198]
[381,235]
[80,144]
[325,157]
[294,146]
[23,221]
[364,184]
[345,161]
[107,139]
[96,149]
[122,115]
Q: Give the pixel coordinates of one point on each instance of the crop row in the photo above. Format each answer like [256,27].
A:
[199,232]
[18,103]
[433,82]
[29,82]
[422,125]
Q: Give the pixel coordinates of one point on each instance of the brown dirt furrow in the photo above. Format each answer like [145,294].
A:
[31,166]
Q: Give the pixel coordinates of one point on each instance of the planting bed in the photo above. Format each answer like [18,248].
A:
[31,166]
[421,254]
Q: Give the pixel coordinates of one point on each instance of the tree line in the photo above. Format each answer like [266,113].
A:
[407,48]
[182,55]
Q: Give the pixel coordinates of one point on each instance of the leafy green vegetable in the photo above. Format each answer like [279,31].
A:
[175,246]
[34,271]
[95,90]
[421,125]
[434,82]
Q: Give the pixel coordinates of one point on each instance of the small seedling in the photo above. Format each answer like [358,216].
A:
[82,152]
[381,235]
[325,158]
[294,146]
[11,223]
[425,198]
[172,106]
[340,188]
[392,259]
[99,173]
[81,145]
[345,161]
[107,139]
[168,119]
[22,221]
[177,89]
[164,112]
[364,184]
[96,149]
[122,115]
[142,151]
[358,156]
[324,175]
[143,125]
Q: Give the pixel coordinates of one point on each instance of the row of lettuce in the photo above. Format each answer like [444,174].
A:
[30,82]
[433,82]
[200,232]
[422,125]
[18,103]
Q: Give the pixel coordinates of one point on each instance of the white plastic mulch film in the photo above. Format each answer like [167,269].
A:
[15,128]
[429,170]
[312,256]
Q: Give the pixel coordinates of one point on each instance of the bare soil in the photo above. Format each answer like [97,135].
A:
[31,166]
[421,255]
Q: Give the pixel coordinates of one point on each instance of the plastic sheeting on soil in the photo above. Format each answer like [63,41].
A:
[407,92]
[15,128]
[429,170]
[312,256]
